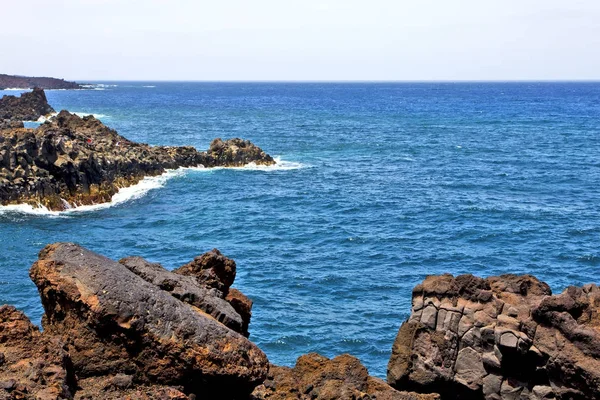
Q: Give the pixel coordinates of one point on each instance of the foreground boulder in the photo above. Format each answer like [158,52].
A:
[74,161]
[125,331]
[318,378]
[502,337]
[29,107]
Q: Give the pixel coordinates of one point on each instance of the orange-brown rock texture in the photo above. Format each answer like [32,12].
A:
[318,378]
[72,161]
[504,337]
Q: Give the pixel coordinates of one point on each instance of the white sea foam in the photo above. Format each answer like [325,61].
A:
[85,114]
[149,86]
[17,89]
[140,189]
[45,118]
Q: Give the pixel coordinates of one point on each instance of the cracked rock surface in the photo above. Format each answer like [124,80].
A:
[504,337]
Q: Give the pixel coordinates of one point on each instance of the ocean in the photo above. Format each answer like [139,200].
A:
[377,186]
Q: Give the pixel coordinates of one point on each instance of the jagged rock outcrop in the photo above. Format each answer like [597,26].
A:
[316,377]
[29,82]
[73,161]
[236,153]
[136,327]
[28,107]
[503,337]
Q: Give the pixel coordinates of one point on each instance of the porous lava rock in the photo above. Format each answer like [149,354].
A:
[125,332]
[72,161]
[316,377]
[29,106]
[504,337]
[32,365]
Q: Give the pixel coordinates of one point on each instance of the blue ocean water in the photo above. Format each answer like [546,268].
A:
[387,183]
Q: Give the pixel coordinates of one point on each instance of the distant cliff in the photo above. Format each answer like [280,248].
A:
[28,82]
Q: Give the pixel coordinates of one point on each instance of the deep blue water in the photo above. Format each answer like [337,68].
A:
[397,181]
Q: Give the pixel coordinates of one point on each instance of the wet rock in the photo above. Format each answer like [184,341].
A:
[28,107]
[502,337]
[72,161]
[317,377]
[115,322]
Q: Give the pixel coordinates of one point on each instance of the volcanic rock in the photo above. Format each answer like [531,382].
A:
[73,161]
[29,107]
[29,82]
[236,153]
[32,365]
[503,337]
[318,378]
[117,325]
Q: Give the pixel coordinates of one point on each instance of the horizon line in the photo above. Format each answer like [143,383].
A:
[594,80]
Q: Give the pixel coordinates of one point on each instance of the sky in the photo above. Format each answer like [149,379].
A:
[323,40]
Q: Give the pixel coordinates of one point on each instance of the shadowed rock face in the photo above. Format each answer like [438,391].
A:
[317,377]
[502,337]
[138,327]
[29,107]
[77,161]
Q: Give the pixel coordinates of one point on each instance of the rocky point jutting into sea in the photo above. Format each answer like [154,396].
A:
[71,161]
[133,330]
[30,82]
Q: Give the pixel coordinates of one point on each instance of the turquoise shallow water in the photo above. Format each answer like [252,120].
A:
[384,184]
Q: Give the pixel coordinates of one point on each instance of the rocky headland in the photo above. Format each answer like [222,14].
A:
[72,161]
[29,106]
[29,82]
[133,330]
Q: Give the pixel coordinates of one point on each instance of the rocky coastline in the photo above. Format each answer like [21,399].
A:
[30,82]
[133,330]
[29,106]
[71,161]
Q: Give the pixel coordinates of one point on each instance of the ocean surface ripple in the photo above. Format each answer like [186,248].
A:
[382,184]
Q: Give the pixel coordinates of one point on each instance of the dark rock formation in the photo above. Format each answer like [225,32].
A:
[76,161]
[502,337]
[29,107]
[236,153]
[127,328]
[318,378]
[29,82]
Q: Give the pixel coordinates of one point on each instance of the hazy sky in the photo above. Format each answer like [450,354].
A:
[302,40]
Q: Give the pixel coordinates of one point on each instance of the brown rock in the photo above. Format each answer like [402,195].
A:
[28,107]
[113,321]
[243,306]
[317,377]
[33,366]
[211,269]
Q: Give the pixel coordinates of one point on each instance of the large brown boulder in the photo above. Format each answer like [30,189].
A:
[503,337]
[316,377]
[72,161]
[28,107]
[115,321]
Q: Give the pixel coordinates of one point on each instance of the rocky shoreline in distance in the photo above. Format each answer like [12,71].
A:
[71,161]
[133,330]
[30,82]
